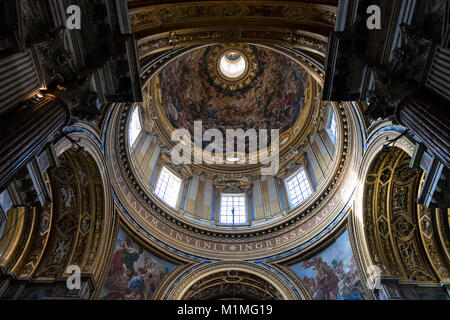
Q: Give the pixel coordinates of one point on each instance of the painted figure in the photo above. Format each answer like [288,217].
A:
[135,274]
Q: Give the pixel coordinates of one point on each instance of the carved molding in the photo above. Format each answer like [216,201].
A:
[398,232]
[173,228]
[197,275]
[160,27]
[73,230]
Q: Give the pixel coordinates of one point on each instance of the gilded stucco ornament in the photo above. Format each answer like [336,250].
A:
[177,231]
[161,27]
[397,234]
[268,283]
[180,36]
[245,53]
[74,229]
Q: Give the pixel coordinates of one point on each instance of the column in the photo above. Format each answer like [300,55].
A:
[25,131]
[428,120]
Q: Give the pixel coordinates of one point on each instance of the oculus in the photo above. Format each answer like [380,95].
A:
[232,65]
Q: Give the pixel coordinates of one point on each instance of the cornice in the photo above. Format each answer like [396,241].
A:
[174,290]
[147,211]
[135,185]
[153,212]
[309,122]
[168,26]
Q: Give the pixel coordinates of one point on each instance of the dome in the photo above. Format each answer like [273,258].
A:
[234,199]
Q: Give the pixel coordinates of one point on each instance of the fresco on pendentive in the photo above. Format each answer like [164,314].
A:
[135,274]
[332,274]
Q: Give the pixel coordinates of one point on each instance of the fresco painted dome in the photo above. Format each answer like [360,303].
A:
[233,87]
[270,90]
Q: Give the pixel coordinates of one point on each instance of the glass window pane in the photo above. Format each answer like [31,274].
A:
[168,187]
[332,127]
[232,209]
[298,188]
[135,126]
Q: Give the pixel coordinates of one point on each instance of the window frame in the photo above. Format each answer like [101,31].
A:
[247,221]
[308,179]
[2,224]
[332,136]
[132,145]
[177,202]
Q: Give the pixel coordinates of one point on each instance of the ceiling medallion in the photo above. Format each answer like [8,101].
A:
[232,67]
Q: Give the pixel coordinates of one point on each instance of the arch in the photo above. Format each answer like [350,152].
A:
[225,280]
[389,192]
[160,27]
[76,228]
[232,284]
[109,227]
[399,243]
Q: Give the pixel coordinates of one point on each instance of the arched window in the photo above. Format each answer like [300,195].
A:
[298,187]
[135,126]
[331,127]
[2,225]
[233,209]
[5,205]
[168,187]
